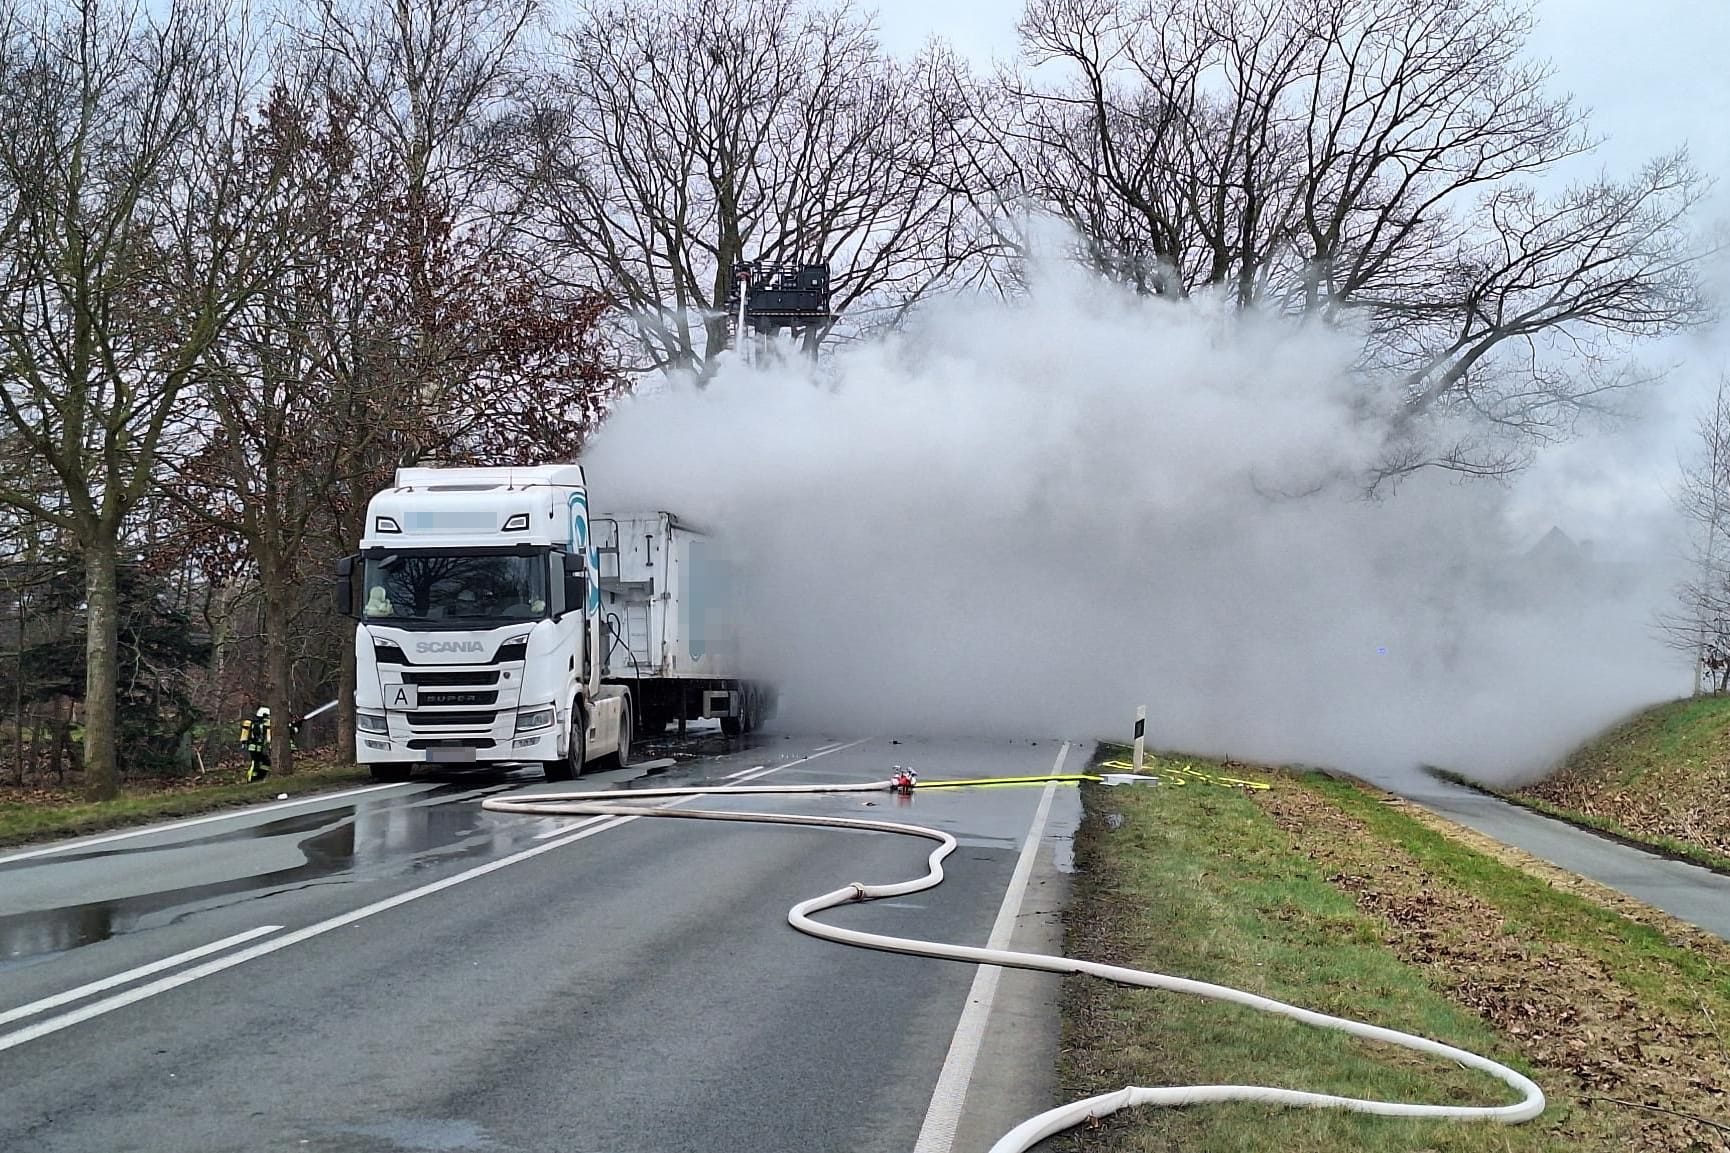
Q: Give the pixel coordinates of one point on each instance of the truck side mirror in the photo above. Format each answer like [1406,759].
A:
[344,589]
[576,581]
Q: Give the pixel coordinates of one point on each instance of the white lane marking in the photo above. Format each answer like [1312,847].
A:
[760,771]
[826,750]
[147,830]
[187,976]
[937,1134]
[830,748]
[739,777]
[131,975]
[563,827]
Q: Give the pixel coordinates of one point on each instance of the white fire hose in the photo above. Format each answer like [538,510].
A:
[1035,1129]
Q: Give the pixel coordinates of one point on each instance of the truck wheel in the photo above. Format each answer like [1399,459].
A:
[570,766]
[622,756]
[392,773]
[746,721]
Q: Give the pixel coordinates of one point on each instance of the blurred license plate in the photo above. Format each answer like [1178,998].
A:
[450,754]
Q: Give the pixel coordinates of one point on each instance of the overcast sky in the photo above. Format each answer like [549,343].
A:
[1653,73]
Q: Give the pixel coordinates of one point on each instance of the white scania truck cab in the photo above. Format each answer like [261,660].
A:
[481,634]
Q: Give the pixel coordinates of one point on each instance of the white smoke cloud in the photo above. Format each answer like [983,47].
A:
[1027,519]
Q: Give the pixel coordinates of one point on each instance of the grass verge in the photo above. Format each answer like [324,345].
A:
[1659,780]
[34,820]
[1318,893]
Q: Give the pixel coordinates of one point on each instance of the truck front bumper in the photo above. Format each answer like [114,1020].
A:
[379,748]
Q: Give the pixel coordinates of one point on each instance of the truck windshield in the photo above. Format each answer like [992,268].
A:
[452,589]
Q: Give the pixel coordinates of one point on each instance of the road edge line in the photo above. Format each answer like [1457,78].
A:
[949,1095]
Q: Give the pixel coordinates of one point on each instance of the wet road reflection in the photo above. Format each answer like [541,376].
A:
[374,837]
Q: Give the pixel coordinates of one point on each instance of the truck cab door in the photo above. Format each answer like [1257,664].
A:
[574,599]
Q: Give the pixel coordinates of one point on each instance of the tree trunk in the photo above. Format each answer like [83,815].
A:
[62,738]
[36,741]
[345,687]
[721,318]
[217,691]
[353,529]
[101,652]
[279,670]
[18,691]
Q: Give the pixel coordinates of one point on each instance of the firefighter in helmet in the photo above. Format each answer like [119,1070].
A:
[255,739]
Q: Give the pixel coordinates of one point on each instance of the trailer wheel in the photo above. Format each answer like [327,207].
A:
[570,765]
[740,724]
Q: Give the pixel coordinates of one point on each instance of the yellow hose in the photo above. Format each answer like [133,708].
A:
[1179,773]
[1171,773]
[1085,1112]
[1061,778]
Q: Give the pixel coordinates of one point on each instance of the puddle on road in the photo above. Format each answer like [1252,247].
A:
[348,841]
[378,837]
[695,747]
[28,935]
[283,827]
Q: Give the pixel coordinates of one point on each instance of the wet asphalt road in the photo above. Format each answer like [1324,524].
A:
[600,989]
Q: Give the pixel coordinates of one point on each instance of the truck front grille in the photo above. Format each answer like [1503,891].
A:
[465,677]
[429,719]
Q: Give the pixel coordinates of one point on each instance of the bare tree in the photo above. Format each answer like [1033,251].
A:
[388,333]
[1700,623]
[256,472]
[434,80]
[679,137]
[432,85]
[422,91]
[1111,147]
[113,162]
[1364,163]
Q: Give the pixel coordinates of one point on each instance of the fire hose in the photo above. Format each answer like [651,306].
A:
[1036,1129]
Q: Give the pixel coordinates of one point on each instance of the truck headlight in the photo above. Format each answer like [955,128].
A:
[532,719]
[370,723]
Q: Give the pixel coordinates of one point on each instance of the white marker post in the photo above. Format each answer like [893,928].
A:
[1140,735]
